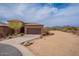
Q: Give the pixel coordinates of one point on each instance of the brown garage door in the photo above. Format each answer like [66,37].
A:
[33,30]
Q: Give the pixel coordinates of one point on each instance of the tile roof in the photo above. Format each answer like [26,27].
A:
[32,24]
[15,20]
[26,23]
[3,24]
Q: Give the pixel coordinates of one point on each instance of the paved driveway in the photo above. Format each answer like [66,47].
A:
[16,42]
[21,39]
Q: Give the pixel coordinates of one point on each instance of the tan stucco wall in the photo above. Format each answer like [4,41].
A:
[3,31]
[33,26]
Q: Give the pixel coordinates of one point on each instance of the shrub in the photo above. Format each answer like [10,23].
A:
[70,28]
[22,34]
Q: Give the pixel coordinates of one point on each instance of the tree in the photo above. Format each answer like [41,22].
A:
[15,24]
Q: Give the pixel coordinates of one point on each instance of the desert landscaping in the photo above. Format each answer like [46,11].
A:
[59,44]
[39,29]
[35,39]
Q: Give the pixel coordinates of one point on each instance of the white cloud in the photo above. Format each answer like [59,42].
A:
[49,16]
[33,13]
[65,16]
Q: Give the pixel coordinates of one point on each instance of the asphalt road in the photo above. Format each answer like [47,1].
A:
[8,50]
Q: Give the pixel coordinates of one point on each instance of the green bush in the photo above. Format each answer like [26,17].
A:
[70,28]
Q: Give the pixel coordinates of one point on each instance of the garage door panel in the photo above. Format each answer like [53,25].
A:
[33,30]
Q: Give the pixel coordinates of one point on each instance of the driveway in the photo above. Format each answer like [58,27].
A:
[16,42]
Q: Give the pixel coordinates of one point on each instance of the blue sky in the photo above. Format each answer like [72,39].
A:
[49,14]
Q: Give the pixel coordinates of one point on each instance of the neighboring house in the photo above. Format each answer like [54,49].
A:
[2,26]
[4,30]
[28,28]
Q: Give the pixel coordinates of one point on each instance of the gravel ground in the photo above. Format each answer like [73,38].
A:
[60,44]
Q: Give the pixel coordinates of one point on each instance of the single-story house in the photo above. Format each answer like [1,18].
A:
[2,29]
[28,28]
[5,30]
[33,28]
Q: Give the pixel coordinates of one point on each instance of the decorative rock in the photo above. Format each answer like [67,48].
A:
[27,43]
